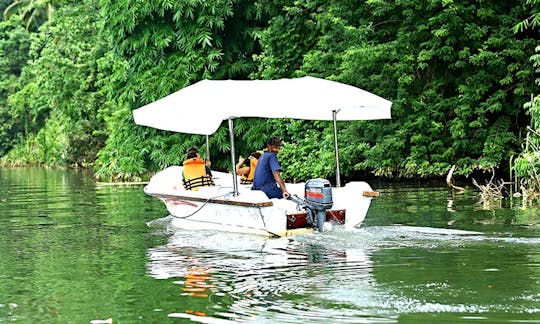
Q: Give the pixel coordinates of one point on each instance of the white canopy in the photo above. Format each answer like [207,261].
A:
[201,108]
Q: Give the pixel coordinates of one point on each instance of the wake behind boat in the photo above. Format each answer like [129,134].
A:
[231,206]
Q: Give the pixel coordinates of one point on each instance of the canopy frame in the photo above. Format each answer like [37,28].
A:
[233,152]
[233,157]
[210,102]
[336,149]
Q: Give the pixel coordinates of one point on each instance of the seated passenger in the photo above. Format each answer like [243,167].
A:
[196,171]
[246,167]
[268,173]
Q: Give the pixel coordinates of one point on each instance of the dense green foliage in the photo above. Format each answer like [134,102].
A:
[160,47]
[14,48]
[460,75]
[527,163]
[53,109]
[3,5]
[31,13]
[455,71]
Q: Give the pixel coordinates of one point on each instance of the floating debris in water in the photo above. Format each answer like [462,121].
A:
[107,321]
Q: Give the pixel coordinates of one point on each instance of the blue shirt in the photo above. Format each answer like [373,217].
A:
[264,178]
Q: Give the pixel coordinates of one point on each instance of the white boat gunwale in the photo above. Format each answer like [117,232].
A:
[213,200]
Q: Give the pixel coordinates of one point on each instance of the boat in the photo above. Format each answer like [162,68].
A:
[250,211]
[231,206]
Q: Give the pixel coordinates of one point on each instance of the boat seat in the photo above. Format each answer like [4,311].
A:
[194,183]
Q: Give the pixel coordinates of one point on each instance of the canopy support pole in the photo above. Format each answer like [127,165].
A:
[208,148]
[231,138]
[334,118]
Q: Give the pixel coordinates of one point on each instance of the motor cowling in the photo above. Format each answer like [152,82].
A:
[319,192]
[318,197]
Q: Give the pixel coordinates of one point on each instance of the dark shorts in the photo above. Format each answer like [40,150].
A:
[272,190]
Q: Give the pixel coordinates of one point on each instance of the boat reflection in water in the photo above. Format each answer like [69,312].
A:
[197,284]
[226,276]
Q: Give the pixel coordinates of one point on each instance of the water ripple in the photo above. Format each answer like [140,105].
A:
[322,277]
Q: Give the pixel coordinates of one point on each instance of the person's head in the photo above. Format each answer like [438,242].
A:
[192,153]
[274,144]
[256,155]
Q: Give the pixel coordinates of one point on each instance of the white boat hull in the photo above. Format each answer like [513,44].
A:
[251,212]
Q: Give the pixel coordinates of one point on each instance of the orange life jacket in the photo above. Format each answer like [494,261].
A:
[195,174]
[249,178]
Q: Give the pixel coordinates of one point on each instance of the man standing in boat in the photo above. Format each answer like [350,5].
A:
[267,174]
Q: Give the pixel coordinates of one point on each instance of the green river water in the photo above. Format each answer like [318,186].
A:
[75,251]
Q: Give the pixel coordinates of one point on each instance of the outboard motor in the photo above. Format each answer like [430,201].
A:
[318,198]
